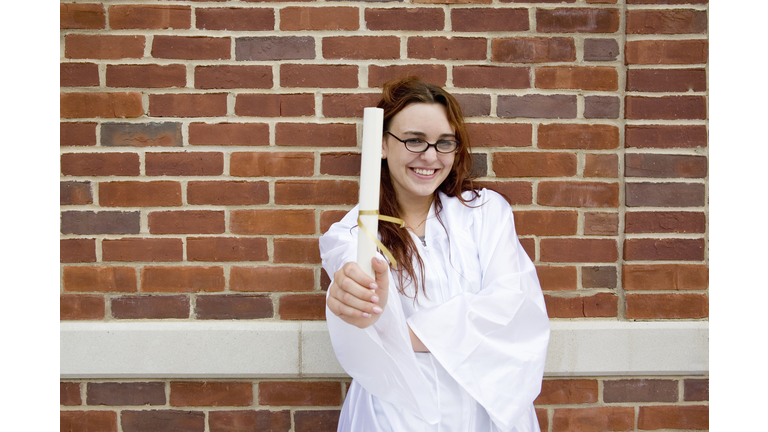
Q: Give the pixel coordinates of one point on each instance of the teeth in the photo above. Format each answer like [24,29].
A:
[424,172]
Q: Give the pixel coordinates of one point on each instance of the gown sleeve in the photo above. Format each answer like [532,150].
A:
[380,357]
[494,342]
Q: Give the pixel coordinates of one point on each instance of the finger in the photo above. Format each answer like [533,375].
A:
[355,296]
[343,310]
[352,270]
[381,271]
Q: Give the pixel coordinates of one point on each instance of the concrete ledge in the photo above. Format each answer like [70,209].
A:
[252,349]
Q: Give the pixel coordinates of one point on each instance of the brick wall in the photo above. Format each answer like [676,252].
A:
[206,145]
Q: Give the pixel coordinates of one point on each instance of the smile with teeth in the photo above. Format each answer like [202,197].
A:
[426,172]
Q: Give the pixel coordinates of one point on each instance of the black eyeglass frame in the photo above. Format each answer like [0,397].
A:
[405,142]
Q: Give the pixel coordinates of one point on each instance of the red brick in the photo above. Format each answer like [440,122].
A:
[235,19]
[81,307]
[150,76]
[100,164]
[474,105]
[601,224]
[491,77]
[361,47]
[106,47]
[664,166]
[596,419]
[77,134]
[164,419]
[184,164]
[666,21]
[142,249]
[405,19]
[82,16]
[667,80]
[666,2]
[296,18]
[557,279]
[191,47]
[533,50]
[491,19]
[577,20]
[272,279]
[99,279]
[149,17]
[667,306]
[694,51]
[601,165]
[316,135]
[78,74]
[77,250]
[500,134]
[272,222]
[543,418]
[329,217]
[88,421]
[325,280]
[673,417]
[188,105]
[567,391]
[665,277]
[668,222]
[316,192]
[227,192]
[69,394]
[432,73]
[230,77]
[139,194]
[666,107]
[640,390]
[599,277]
[443,48]
[126,393]
[345,164]
[546,222]
[233,306]
[665,194]
[305,393]
[578,250]
[644,249]
[696,389]
[600,78]
[103,105]
[318,76]
[186,222]
[237,134]
[516,192]
[348,105]
[578,136]
[452,2]
[603,305]
[211,393]
[246,420]
[529,246]
[153,134]
[578,194]
[275,105]
[150,307]
[75,193]
[297,250]
[270,48]
[536,106]
[530,164]
[222,249]
[316,420]
[273,164]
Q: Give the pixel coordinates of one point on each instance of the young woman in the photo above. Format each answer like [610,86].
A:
[454,338]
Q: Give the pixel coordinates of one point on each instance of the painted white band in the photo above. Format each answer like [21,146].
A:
[253,349]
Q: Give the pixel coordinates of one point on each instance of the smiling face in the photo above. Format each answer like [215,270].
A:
[416,176]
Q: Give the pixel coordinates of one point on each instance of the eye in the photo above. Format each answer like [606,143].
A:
[447,144]
[415,141]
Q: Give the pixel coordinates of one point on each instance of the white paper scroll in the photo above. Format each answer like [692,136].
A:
[370,180]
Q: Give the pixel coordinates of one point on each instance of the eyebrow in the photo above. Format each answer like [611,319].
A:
[422,134]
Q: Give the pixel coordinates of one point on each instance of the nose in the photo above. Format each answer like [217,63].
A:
[429,155]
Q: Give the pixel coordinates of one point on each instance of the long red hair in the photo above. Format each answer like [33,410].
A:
[396,96]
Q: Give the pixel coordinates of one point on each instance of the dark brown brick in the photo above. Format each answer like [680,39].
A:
[578,194]
[607,107]
[78,74]
[125,393]
[533,50]
[227,192]
[222,249]
[153,134]
[666,21]
[605,224]
[491,77]
[474,104]
[316,420]
[601,49]
[516,192]
[247,420]
[643,249]
[275,105]
[191,47]
[165,420]
[233,306]
[150,307]
[235,19]
[77,134]
[88,421]
[665,194]
[666,222]
[328,218]
[536,106]
[667,80]
[639,390]
[232,77]
[69,394]
[105,222]
[349,105]
[577,20]
[490,19]
[578,250]
[75,193]
[304,393]
[77,250]
[665,136]
[147,75]
[665,108]
[404,19]
[599,277]
[664,166]
[236,134]
[271,48]
[696,389]
[184,164]
[345,164]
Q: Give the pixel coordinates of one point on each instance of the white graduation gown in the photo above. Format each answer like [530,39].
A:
[484,322]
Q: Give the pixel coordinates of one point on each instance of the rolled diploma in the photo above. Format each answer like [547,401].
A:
[370,180]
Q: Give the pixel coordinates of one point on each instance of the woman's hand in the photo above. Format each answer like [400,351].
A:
[355,297]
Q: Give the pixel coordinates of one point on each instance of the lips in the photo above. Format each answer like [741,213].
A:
[424,172]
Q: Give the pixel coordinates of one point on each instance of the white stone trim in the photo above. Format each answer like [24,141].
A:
[254,349]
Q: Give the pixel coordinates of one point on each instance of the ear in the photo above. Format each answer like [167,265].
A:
[384,147]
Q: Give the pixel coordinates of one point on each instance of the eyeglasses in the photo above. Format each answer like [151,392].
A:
[418,145]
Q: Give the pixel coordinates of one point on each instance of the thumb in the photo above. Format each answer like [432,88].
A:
[381,271]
